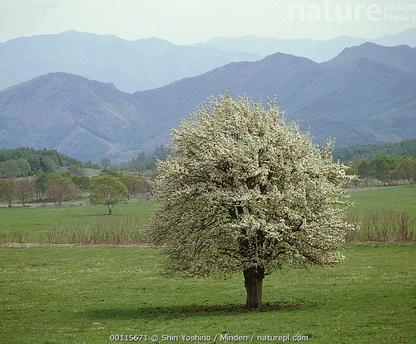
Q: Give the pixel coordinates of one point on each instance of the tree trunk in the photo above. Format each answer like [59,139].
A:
[253,281]
[109,209]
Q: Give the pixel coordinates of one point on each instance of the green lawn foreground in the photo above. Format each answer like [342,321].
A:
[66,294]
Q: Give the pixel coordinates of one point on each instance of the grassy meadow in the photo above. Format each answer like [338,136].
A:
[37,223]
[397,198]
[47,224]
[86,294]
[385,214]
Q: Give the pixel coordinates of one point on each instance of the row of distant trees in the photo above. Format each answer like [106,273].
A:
[393,169]
[25,162]
[59,187]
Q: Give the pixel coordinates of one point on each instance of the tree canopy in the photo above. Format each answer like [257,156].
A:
[21,162]
[107,189]
[247,192]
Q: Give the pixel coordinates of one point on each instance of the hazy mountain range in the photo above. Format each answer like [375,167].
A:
[366,94]
[131,65]
[149,63]
[316,50]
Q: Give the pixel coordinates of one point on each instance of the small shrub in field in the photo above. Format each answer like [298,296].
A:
[385,226]
[102,231]
[13,237]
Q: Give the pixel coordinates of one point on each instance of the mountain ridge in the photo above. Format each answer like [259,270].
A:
[359,101]
[316,50]
[150,63]
[131,65]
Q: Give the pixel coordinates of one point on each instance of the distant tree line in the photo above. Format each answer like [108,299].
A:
[368,152]
[24,162]
[59,187]
[391,170]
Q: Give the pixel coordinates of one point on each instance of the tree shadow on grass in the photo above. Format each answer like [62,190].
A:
[172,312]
[103,214]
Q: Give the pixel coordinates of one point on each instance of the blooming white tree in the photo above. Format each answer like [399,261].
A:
[247,192]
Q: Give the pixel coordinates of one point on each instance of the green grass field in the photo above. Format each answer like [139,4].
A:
[398,198]
[85,294]
[385,214]
[36,221]
[40,221]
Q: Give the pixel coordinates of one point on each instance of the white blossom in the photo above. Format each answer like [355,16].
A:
[247,190]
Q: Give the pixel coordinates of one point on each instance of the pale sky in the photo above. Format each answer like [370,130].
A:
[190,21]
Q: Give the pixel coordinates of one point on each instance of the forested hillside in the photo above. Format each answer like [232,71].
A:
[23,162]
[368,152]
